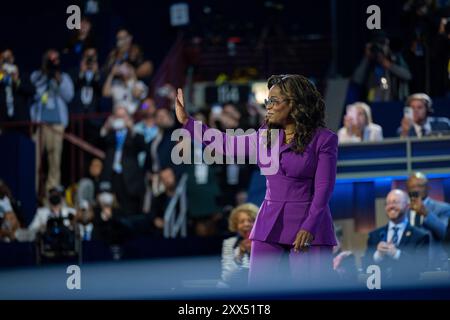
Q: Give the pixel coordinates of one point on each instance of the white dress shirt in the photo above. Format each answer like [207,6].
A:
[426,127]
[412,213]
[377,257]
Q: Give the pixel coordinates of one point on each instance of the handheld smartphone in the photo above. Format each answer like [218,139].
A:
[353,115]
[216,110]
[408,112]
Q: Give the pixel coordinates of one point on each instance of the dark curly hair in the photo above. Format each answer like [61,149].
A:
[308,107]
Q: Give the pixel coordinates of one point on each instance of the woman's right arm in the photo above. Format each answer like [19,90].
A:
[239,145]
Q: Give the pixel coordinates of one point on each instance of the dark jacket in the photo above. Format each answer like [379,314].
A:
[414,246]
[437,124]
[132,173]
[22,93]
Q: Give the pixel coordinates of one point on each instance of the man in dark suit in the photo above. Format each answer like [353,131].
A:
[16,92]
[420,123]
[430,216]
[121,166]
[400,249]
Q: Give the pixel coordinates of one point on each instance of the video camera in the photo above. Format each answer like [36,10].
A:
[58,240]
[52,68]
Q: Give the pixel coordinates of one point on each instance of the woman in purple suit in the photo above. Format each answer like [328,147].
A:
[294,218]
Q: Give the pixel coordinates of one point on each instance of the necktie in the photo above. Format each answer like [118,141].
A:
[422,131]
[417,221]
[395,236]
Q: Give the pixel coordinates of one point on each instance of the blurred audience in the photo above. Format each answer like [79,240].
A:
[16,92]
[236,249]
[358,125]
[54,209]
[54,91]
[400,249]
[8,227]
[88,187]
[84,218]
[440,79]
[344,261]
[87,84]
[127,51]
[417,121]
[79,41]
[160,203]
[429,215]
[157,151]
[147,126]
[417,18]
[203,192]
[110,222]
[88,93]
[233,178]
[121,166]
[6,199]
[10,214]
[124,87]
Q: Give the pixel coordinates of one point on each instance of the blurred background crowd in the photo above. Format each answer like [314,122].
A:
[97,105]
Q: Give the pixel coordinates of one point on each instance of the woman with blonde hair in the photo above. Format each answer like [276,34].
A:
[358,125]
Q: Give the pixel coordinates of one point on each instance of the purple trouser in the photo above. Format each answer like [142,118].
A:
[267,267]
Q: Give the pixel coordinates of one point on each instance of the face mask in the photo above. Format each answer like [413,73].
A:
[89,74]
[121,43]
[106,199]
[54,199]
[118,124]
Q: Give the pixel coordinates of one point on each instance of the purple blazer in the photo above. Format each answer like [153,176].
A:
[298,194]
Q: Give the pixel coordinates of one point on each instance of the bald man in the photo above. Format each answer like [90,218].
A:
[428,215]
[400,249]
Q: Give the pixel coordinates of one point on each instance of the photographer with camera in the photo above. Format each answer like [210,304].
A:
[382,74]
[87,84]
[16,92]
[54,91]
[55,210]
[124,88]
[88,93]
[127,51]
[429,215]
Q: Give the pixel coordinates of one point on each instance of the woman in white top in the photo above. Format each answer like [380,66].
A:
[236,249]
[358,125]
[124,88]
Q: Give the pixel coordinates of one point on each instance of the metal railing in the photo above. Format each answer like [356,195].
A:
[74,134]
[394,156]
